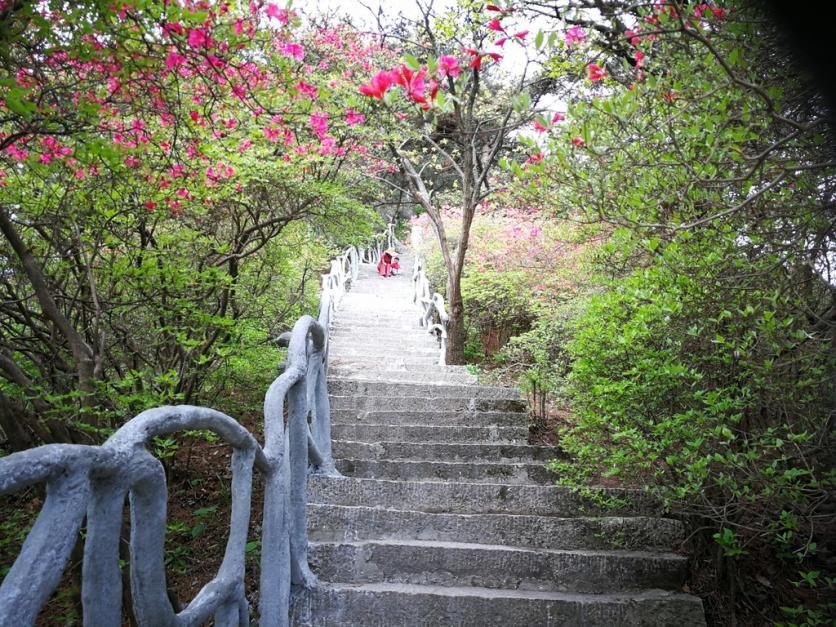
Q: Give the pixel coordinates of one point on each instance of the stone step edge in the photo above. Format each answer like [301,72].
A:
[536,447]
[446,544]
[492,593]
[417,512]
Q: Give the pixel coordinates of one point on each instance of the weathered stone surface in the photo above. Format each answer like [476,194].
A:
[343,387]
[426,562]
[421,470]
[423,403]
[455,452]
[341,523]
[467,498]
[362,373]
[467,418]
[429,433]
[406,605]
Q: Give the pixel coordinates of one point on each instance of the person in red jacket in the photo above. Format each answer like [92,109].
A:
[384,266]
[388,262]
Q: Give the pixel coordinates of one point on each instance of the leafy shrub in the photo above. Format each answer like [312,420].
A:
[714,393]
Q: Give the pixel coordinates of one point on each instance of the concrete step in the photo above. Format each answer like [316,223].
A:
[442,451]
[472,498]
[416,332]
[432,375]
[435,369]
[344,523]
[401,361]
[379,344]
[425,433]
[439,418]
[373,389]
[430,606]
[437,563]
[405,322]
[470,471]
[377,352]
[424,404]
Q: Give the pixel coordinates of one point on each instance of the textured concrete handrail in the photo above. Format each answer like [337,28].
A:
[433,313]
[382,241]
[93,481]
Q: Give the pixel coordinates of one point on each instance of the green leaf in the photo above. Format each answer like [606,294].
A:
[16,103]
[412,62]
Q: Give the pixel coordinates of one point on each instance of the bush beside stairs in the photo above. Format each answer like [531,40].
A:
[445,515]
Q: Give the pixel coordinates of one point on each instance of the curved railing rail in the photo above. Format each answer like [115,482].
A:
[94,481]
[381,242]
[433,314]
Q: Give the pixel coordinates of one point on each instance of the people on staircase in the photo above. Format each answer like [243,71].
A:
[389,263]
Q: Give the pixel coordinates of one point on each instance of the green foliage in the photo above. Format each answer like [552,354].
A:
[496,301]
[709,393]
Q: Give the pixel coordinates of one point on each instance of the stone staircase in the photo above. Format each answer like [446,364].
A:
[446,516]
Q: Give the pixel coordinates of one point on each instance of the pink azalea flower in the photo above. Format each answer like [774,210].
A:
[274,12]
[574,35]
[306,89]
[633,36]
[557,117]
[352,118]
[174,59]
[199,38]
[595,72]
[319,123]
[448,66]
[579,142]
[293,50]
[412,82]
[639,58]
[494,25]
[271,133]
[378,86]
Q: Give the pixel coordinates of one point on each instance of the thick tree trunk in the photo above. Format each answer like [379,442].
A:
[456,331]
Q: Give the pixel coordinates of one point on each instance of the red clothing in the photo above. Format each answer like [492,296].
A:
[387,264]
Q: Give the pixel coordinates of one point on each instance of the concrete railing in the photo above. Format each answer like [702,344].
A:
[384,240]
[93,482]
[433,314]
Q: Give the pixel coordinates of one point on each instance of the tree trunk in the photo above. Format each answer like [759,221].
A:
[456,331]
[17,436]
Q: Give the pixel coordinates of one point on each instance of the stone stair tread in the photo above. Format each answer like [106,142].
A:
[640,532]
[453,418]
[474,591]
[453,545]
[470,471]
[441,451]
[383,603]
[468,497]
[417,433]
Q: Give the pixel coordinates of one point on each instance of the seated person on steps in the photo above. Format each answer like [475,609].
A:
[389,263]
